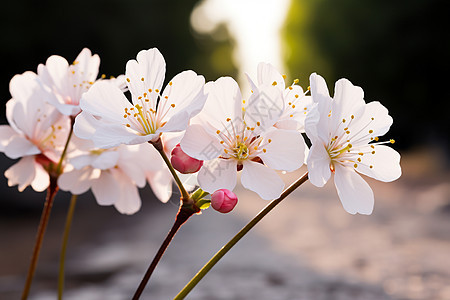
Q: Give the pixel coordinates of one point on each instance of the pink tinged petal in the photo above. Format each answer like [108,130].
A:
[217,174]
[354,192]
[199,144]
[161,184]
[285,151]
[6,133]
[106,160]
[105,100]
[264,108]
[54,73]
[268,75]
[383,165]
[87,64]
[78,181]
[22,173]
[151,67]
[318,164]
[129,201]
[24,86]
[348,101]
[106,189]
[10,115]
[223,105]
[41,180]
[262,180]
[68,109]
[19,146]
[135,159]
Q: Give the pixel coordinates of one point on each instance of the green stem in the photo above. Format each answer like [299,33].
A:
[73,202]
[59,167]
[159,146]
[51,192]
[208,266]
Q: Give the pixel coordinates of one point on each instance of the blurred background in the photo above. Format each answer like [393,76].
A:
[308,248]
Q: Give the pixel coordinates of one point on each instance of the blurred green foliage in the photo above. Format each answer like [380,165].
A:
[397,51]
[117,30]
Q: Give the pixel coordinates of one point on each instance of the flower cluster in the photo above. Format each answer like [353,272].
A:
[220,132]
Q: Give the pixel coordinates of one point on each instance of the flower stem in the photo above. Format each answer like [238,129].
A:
[59,167]
[208,266]
[73,202]
[51,192]
[183,215]
[159,146]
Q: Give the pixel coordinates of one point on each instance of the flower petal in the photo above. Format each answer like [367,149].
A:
[106,189]
[319,87]
[145,74]
[6,133]
[268,75]
[318,164]
[19,146]
[224,104]
[41,180]
[354,192]
[385,164]
[161,184]
[78,181]
[106,160]
[185,94]
[348,101]
[21,173]
[105,100]
[217,174]
[262,180]
[129,201]
[264,108]
[199,144]
[285,151]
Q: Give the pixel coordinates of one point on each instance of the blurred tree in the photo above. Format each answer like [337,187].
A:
[116,30]
[398,51]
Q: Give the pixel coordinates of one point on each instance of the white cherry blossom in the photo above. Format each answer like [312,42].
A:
[109,119]
[232,134]
[344,132]
[115,174]
[296,103]
[36,133]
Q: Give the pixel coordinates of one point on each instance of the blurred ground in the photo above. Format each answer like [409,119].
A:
[307,248]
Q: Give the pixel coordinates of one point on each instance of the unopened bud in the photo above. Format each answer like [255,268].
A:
[183,163]
[223,200]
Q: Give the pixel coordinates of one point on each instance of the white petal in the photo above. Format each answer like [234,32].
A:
[106,160]
[319,87]
[129,201]
[6,133]
[262,180]
[385,164]
[105,100]
[19,146]
[161,184]
[218,174]
[106,189]
[318,164]
[54,73]
[267,75]
[41,180]
[199,144]
[81,161]
[85,125]
[22,173]
[87,64]
[285,151]
[78,181]
[185,93]
[354,192]
[134,160]
[151,67]
[348,101]
[224,102]
[264,108]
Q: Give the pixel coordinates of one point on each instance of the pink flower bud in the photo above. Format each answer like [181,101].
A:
[183,163]
[223,200]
